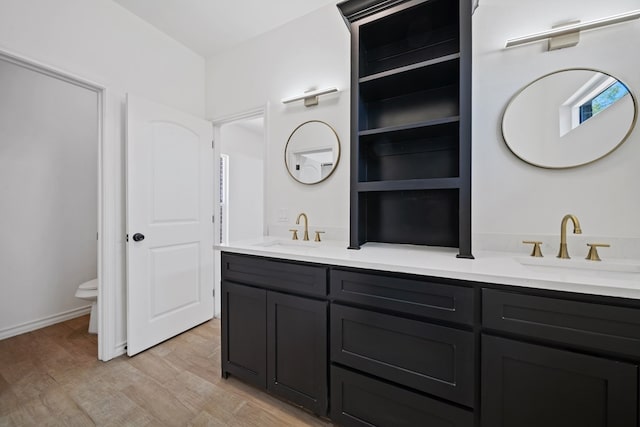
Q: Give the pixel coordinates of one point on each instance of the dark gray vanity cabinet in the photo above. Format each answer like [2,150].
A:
[558,362]
[393,360]
[410,122]
[378,348]
[271,337]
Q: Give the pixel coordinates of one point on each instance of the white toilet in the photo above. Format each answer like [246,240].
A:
[89,291]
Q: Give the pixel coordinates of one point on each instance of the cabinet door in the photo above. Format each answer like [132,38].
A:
[525,385]
[297,350]
[244,333]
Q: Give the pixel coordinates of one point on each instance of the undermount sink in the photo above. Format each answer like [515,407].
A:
[289,244]
[624,268]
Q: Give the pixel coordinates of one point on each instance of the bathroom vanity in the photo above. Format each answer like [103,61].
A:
[406,335]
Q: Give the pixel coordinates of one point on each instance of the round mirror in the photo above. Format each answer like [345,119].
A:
[312,152]
[569,118]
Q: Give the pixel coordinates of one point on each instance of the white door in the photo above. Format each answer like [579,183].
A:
[169,223]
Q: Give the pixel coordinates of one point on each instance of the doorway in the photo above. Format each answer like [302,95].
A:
[241,176]
[50,139]
[242,154]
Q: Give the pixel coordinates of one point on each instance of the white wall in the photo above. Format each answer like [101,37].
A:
[100,41]
[312,51]
[510,196]
[245,148]
[49,193]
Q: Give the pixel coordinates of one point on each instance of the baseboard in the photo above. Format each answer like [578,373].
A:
[43,322]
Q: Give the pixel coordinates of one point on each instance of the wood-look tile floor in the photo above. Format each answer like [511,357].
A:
[51,377]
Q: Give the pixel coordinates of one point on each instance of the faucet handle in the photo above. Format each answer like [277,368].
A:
[295,234]
[317,239]
[536,252]
[593,251]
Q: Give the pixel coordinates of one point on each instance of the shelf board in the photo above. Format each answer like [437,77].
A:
[417,125]
[410,184]
[411,67]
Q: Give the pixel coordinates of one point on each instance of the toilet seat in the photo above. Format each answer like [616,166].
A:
[88,290]
[90,284]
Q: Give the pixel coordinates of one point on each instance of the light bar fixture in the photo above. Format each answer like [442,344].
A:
[310,97]
[572,29]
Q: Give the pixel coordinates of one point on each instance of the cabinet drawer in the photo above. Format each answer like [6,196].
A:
[421,297]
[429,358]
[358,400]
[306,279]
[585,325]
[526,385]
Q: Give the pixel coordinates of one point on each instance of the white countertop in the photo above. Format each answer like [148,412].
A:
[574,275]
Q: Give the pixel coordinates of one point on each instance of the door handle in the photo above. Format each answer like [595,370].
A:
[138,237]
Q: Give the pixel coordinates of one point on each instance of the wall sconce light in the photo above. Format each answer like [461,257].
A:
[310,97]
[567,35]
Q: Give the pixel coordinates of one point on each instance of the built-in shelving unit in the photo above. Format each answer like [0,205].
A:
[411,122]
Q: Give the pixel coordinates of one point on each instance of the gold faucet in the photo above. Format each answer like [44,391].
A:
[563,253]
[306,225]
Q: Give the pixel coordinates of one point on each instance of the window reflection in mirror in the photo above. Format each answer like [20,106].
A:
[599,92]
[603,100]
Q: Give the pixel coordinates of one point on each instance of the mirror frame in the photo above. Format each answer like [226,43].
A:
[286,164]
[626,136]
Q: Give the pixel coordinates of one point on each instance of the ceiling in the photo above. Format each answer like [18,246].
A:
[210,26]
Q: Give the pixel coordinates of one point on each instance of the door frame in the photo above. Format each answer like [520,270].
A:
[107,229]
[261,111]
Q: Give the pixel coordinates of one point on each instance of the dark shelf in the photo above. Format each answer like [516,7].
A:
[410,122]
[415,34]
[391,85]
[410,108]
[409,184]
[422,94]
[410,154]
[419,217]
[389,129]
[411,67]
